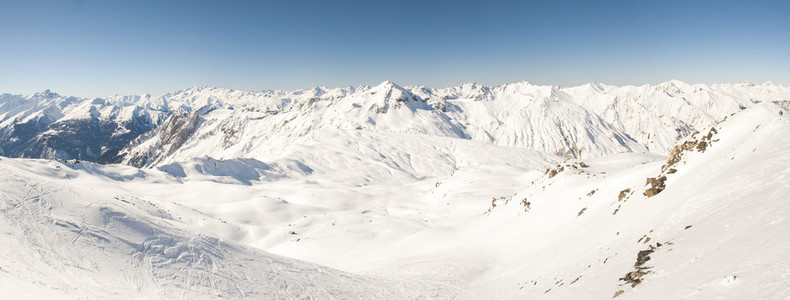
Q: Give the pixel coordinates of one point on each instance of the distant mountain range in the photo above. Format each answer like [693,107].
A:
[585,121]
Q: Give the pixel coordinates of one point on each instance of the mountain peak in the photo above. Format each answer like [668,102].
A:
[389,91]
[674,82]
[47,94]
[388,84]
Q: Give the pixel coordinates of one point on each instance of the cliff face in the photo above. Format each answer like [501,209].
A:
[149,149]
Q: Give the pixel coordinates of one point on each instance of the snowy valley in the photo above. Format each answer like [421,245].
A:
[518,191]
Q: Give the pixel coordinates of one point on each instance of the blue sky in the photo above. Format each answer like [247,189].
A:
[94,48]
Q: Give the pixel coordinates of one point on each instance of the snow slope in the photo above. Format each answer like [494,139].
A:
[65,238]
[720,223]
[382,192]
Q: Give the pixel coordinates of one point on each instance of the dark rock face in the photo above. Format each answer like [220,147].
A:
[177,131]
[171,135]
[642,257]
[84,139]
[14,139]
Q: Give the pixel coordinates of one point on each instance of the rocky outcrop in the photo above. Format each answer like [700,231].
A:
[164,141]
[635,277]
[656,185]
[525,204]
[676,153]
[555,171]
[623,194]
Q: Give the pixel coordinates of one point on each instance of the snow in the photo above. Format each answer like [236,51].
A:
[67,238]
[640,118]
[378,192]
[588,121]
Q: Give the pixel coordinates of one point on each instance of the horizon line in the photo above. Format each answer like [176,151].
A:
[200,87]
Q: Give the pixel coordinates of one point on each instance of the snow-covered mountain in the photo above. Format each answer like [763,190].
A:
[591,120]
[47,125]
[390,213]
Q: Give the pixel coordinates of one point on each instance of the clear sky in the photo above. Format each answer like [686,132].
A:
[94,48]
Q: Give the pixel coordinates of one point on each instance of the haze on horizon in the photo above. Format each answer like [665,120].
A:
[98,48]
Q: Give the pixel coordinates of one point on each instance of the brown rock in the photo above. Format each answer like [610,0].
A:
[702,146]
[656,185]
[623,194]
[642,257]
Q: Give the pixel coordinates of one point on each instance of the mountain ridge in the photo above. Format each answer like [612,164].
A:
[588,120]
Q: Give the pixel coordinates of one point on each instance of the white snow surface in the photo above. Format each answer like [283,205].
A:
[400,193]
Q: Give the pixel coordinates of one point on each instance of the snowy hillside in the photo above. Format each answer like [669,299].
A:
[66,240]
[512,192]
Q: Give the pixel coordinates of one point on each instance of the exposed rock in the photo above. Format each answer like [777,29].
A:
[643,256]
[556,171]
[677,153]
[656,185]
[618,293]
[711,133]
[170,136]
[635,277]
[581,212]
[702,146]
[526,204]
[623,194]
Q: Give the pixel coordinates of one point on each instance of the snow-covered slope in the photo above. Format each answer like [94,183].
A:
[716,230]
[409,215]
[71,238]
